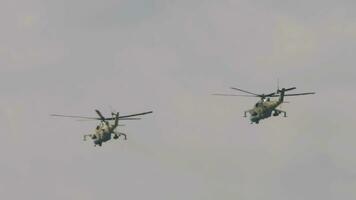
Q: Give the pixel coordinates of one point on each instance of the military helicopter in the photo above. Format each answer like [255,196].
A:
[266,107]
[105,129]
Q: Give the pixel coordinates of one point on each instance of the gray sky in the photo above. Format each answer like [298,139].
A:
[74,56]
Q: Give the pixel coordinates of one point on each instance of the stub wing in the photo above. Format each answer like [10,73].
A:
[277,112]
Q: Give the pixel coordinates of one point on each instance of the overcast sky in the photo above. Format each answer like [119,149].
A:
[74,56]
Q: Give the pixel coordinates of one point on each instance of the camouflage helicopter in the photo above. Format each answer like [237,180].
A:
[266,107]
[105,129]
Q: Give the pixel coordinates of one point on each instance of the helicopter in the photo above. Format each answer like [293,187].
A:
[266,107]
[105,129]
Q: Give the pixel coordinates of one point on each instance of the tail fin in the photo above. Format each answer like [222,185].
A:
[116,119]
[282,92]
[281,95]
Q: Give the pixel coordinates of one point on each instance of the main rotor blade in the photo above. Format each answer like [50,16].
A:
[74,116]
[126,117]
[113,118]
[100,115]
[269,95]
[288,89]
[138,114]
[299,94]
[86,120]
[235,95]
[244,91]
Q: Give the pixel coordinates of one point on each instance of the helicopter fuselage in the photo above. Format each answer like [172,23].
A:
[103,133]
[264,109]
